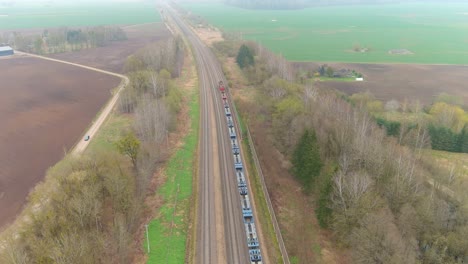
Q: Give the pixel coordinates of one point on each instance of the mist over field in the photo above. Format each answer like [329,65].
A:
[353,115]
[48,3]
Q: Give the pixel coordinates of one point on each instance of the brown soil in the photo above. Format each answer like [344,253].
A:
[112,57]
[44,109]
[402,81]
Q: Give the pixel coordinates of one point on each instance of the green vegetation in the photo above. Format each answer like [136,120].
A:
[372,190]
[89,207]
[451,160]
[306,160]
[109,133]
[431,31]
[168,231]
[245,57]
[91,200]
[444,122]
[63,39]
[333,79]
[391,127]
[324,188]
[129,145]
[77,15]
[304,248]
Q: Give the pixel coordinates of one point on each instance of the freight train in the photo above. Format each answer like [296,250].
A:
[247,214]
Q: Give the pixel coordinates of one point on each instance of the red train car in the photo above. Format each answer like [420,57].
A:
[221,87]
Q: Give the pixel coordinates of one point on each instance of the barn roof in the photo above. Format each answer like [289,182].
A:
[6,48]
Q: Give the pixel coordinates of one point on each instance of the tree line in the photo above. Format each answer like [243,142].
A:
[89,208]
[444,122]
[297,4]
[371,191]
[64,39]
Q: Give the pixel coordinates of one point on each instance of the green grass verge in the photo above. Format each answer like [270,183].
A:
[168,231]
[109,133]
[55,15]
[330,79]
[431,31]
[263,217]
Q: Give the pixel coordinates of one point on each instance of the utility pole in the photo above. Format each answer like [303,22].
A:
[147,238]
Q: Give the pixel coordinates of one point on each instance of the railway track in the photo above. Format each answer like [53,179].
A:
[221,236]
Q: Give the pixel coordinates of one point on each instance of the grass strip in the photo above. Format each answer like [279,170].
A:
[168,231]
[109,133]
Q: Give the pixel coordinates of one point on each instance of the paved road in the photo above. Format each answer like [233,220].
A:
[220,232]
[81,145]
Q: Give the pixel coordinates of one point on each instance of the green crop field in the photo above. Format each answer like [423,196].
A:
[75,15]
[433,33]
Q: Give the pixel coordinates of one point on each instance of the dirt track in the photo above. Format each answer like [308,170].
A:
[41,117]
[400,81]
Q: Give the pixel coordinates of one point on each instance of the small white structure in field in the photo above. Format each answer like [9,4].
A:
[6,51]
[274,20]
[360,79]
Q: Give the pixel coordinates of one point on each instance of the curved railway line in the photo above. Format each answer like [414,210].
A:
[221,231]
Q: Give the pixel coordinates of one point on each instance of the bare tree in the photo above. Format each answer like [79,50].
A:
[152,120]
[73,247]
[378,240]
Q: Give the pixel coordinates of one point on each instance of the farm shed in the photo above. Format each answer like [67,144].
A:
[5,51]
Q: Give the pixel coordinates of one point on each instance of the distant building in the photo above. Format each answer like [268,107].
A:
[359,79]
[6,51]
[343,73]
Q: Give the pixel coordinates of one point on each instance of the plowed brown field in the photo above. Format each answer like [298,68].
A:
[44,109]
[402,81]
[112,57]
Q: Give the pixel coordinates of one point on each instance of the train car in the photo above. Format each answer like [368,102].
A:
[255,256]
[252,239]
[241,183]
[232,132]
[246,210]
[235,151]
[234,143]
[237,162]
[229,121]
[243,191]
[221,87]
[227,111]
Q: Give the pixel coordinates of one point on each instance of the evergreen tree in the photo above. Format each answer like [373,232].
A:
[443,138]
[391,127]
[324,211]
[463,140]
[306,160]
[245,57]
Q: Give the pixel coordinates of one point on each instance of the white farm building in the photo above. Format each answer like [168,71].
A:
[5,51]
